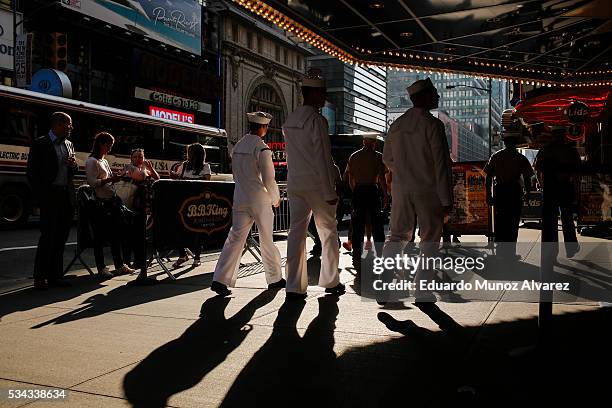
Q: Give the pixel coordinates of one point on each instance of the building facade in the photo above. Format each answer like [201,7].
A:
[356,95]
[263,67]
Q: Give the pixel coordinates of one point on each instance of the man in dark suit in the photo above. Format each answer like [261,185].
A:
[51,166]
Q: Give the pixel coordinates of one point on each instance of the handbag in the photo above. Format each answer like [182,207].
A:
[126,191]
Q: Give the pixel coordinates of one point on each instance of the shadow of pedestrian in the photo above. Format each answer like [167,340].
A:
[184,362]
[125,296]
[30,298]
[287,364]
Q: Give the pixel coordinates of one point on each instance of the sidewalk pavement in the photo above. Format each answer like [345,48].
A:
[175,344]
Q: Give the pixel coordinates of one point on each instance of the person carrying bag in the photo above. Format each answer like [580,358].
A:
[110,220]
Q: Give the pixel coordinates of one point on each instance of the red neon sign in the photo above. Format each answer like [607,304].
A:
[171,114]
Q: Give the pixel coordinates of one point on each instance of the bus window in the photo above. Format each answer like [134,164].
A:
[18,124]
[176,142]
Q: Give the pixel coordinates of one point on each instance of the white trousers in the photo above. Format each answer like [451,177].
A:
[302,205]
[430,214]
[226,270]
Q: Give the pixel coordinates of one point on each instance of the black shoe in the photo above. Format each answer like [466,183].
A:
[40,284]
[339,289]
[290,296]
[220,288]
[143,281]
[572,250]
[59,283]
[278,285]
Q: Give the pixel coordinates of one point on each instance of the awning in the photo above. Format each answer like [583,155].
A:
[553,43]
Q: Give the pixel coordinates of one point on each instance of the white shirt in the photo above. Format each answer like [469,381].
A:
[96,171]
[186,174]
[416,152]
[309,161]
[253,173]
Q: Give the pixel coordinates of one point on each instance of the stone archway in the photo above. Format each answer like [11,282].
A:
[266,96]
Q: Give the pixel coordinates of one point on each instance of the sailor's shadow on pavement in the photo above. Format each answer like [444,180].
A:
[184,362]
[290,367]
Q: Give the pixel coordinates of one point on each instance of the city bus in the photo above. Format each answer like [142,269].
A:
[24,116]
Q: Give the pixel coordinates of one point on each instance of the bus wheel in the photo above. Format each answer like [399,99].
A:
[14,208]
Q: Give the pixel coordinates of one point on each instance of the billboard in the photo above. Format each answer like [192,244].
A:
[470,214]
[6,38]
[174,22]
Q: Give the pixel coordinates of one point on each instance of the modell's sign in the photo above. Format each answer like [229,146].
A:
[171,115]
[206,213]
[171,100]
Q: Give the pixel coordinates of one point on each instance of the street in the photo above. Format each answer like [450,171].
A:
[17,251]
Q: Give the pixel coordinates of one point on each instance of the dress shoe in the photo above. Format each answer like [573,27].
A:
[40,284]
[278,285]
[290,296]
[220,288]
[59,283]
[105,273]
[339,289]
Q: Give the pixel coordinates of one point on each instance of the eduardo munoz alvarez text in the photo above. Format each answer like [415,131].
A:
[459,265]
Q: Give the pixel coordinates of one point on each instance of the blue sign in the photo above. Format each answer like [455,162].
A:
[51,82]
[174,22]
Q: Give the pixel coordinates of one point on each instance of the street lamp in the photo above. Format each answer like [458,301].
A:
[489,91]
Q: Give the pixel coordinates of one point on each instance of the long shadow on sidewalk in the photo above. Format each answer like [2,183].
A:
[290,370]
[125,296]
[184,362]
[29,298]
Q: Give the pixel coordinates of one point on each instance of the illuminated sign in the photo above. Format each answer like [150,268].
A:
[171,115]
[577,112]
[279,155]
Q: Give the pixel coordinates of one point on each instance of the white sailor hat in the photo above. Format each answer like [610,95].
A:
[419,86]
[261,118]
[370,135]
[313,79]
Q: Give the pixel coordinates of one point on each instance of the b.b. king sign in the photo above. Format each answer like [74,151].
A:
[185,208]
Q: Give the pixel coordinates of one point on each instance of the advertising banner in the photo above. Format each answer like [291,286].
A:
[23,60]
[183,209]
[595,200]
[174,22]
[470,214]
[7,50]
[532,209]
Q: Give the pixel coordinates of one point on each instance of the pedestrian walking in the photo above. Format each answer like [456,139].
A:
[557,166]
[508,183]
[416,152]
[255,193]
[366,176]
[311,184]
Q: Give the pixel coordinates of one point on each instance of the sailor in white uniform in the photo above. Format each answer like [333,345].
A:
[416,152]
[255,193]
[311,181]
